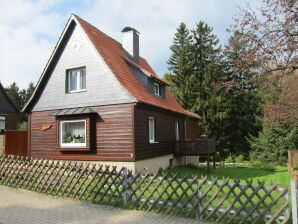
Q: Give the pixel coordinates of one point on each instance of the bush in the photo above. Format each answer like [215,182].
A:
[272,144]
[229,159]
[239,159]
[23,126]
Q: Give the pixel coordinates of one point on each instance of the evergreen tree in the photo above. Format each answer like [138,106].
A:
[245,102]
[19,97]
[210,102]
[14,94]
[216,86]
[180,65]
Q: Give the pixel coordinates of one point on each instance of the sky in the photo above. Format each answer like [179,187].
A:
[29,29]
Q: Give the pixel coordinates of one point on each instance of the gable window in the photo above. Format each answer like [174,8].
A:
[151,121]
[156,89]
[76,80]
[73,133]
[2,122]
[177,130]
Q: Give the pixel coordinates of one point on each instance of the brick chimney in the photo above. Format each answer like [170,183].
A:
[130,42]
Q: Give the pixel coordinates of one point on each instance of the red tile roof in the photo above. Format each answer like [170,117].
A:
[112,52]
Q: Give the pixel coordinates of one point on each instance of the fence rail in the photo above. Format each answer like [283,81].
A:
[227,201]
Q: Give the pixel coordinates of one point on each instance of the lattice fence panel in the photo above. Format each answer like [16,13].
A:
[225,201]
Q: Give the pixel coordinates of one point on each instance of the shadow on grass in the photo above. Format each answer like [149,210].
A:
[280,175]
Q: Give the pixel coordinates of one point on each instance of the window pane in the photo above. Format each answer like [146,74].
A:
[177,130]
[73,132]
[72,80]
[83,79]
[151,129]
[156,89]
[2,124]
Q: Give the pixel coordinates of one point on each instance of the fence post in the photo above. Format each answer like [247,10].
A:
[124,196]
[294,200]
[293,169]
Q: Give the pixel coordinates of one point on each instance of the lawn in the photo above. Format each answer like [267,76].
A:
[280,174]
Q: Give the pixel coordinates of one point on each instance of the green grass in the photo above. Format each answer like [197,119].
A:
[280,174]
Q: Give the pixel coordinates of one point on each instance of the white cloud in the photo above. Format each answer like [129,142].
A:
[23,53]
[29,30]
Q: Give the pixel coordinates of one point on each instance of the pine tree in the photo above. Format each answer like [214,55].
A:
[19,97]
[182,79]
[211,103]
[245,99]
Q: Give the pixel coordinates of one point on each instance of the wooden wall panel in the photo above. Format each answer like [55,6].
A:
[192,129]
[11,120]
[15,143]
[112,135]
[164,128]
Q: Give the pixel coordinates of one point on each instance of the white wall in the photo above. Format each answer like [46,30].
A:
[102,86]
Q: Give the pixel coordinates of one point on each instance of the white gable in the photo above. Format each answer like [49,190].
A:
[102,87]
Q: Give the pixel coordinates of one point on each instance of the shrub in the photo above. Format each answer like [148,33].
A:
[229,159]
[239,159]
[272,144]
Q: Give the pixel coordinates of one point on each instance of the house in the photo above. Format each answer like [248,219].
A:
[99,100]
[8,116]
[8,111]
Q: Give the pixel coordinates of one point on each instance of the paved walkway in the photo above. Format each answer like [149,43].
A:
[18,206]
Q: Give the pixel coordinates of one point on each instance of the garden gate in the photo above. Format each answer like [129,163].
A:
[15,143]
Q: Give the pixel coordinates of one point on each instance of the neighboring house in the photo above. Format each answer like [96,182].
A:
[8,111]
[98,100]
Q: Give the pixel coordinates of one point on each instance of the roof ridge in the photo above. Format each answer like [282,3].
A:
[103,33]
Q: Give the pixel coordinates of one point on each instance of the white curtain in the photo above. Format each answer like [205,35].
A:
[2,122]
[72,80]
[74,128]
[82,79]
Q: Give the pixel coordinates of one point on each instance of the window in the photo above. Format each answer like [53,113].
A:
[177,130]
[151,129]
[76,80]
[73,133]
[156,89]
[2,122]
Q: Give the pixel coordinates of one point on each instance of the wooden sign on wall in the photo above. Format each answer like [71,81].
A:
[46,127]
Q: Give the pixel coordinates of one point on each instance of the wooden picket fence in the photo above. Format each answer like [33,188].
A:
[226,201]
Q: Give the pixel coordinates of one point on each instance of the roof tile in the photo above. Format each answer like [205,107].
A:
[113,54]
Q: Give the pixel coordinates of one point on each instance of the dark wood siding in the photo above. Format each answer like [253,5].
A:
[112,135]
[15,143]
[10,120]
[192,129]
[164,131]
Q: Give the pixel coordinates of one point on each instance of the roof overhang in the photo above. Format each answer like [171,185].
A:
[74,111]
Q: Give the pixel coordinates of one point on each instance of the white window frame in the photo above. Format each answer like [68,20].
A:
[78,77]
[3,119]
[75,145]
[158,89]
[177,131]
[150,126]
